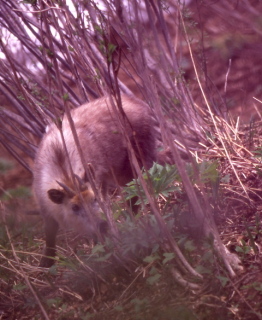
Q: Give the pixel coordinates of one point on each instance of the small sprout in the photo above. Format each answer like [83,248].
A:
[5,165]
[65,96]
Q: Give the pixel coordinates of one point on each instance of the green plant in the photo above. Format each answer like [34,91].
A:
[19,192]
[159,179]
[5,165]
[165,180]
[258,153]
[140,304]
[244,248]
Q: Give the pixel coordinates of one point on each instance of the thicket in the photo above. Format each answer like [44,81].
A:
[173,259]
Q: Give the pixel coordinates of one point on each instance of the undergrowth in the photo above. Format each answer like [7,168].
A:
[133,279]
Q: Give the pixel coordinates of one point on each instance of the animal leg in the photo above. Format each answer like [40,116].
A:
[51,229]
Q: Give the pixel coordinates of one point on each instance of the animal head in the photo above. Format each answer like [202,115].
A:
[75,203]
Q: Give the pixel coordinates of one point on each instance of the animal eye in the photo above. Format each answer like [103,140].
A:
[75,207]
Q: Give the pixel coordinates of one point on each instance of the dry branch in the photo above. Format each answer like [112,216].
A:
[70,56]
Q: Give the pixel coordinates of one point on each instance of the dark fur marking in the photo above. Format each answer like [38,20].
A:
[57,196]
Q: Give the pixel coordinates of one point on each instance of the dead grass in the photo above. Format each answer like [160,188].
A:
[83,285]
[92,282]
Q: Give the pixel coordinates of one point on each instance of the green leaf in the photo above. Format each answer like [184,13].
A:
[226,179]
[5,165]
[189,245]
[54,302]
[65,96]
[139,304]
[119,308]
[168,256]
[19,192]
[239,249]
[153,279]
[203,270]
[223,280]
[208,171]
[159,177]
[105,257]
[98,248]
[53,270]
[258,152]
[19,287]
[150,259]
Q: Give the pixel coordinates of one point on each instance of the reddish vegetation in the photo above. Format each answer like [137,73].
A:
[230,68]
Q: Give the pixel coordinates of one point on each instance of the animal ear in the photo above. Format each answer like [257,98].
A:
[55,195]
